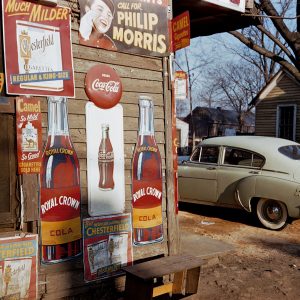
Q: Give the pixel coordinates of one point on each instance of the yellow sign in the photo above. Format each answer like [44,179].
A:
[1,82]
[60,232]
[146,218]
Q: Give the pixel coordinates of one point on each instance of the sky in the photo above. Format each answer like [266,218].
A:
[212,48]
[202,49]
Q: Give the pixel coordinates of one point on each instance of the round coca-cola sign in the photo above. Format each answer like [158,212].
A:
[103,86]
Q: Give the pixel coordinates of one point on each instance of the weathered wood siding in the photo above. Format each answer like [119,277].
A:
[287,91]
[139,75]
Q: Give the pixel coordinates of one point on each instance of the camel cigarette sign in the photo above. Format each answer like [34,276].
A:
[181,33]
[29,135]
[37,49]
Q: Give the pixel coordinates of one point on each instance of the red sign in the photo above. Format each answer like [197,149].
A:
[174,149]
[107,246]
[181,33]
[146,181]
[103,86]
[37,49]
[60,199]
[29,135]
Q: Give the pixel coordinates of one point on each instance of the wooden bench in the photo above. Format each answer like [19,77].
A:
[142,279]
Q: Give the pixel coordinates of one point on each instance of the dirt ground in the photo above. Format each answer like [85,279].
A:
[264,265]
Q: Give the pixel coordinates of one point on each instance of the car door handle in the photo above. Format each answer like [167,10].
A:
[211,168]
[254,172]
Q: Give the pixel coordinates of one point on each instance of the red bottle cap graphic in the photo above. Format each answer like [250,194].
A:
[103,86]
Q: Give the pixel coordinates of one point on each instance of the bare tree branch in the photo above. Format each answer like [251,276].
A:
[277,42]
[249,43]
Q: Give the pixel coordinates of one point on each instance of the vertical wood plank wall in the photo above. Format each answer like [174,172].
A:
[139,75]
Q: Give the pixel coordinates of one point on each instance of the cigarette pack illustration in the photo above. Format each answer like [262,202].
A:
[39,51]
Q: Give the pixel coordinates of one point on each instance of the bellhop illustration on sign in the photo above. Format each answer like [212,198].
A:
[105,142]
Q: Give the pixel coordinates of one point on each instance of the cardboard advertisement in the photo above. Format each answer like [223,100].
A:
[18,267]
[140,27]
[29,135]
[37,49]
[181,85]
[105,160]
[107,245]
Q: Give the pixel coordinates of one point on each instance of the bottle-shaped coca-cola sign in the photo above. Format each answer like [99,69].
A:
[106,161]
[146,180]
[60,189]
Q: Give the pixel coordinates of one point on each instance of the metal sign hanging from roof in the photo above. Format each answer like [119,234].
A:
[181,31]
[238,5]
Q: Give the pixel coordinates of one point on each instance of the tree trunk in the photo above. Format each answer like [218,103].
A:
[298,14]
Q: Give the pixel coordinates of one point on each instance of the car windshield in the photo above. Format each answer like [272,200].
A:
[291,151]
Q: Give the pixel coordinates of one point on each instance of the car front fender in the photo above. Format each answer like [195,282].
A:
[269,187]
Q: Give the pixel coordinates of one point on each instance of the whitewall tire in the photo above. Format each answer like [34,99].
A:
[272,214]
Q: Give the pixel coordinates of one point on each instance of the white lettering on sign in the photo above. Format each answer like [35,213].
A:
[109,86]
[62,200]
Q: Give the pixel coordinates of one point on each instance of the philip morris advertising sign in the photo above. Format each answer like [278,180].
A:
[37,49]
[133,26]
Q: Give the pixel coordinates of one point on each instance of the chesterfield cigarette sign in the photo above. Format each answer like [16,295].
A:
[37,48]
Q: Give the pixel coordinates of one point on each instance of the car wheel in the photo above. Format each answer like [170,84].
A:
[272,214]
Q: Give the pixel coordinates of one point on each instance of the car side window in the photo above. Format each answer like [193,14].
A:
[195,155]
[239,157]
[209,154]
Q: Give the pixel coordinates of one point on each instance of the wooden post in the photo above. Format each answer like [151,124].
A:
[173,229]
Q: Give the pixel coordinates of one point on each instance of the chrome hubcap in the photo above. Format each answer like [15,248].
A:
[273,211]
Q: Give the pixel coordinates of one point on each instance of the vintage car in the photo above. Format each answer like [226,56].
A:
[255,173]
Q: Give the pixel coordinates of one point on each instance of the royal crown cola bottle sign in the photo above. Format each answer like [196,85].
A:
[146,180]
[60,189]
